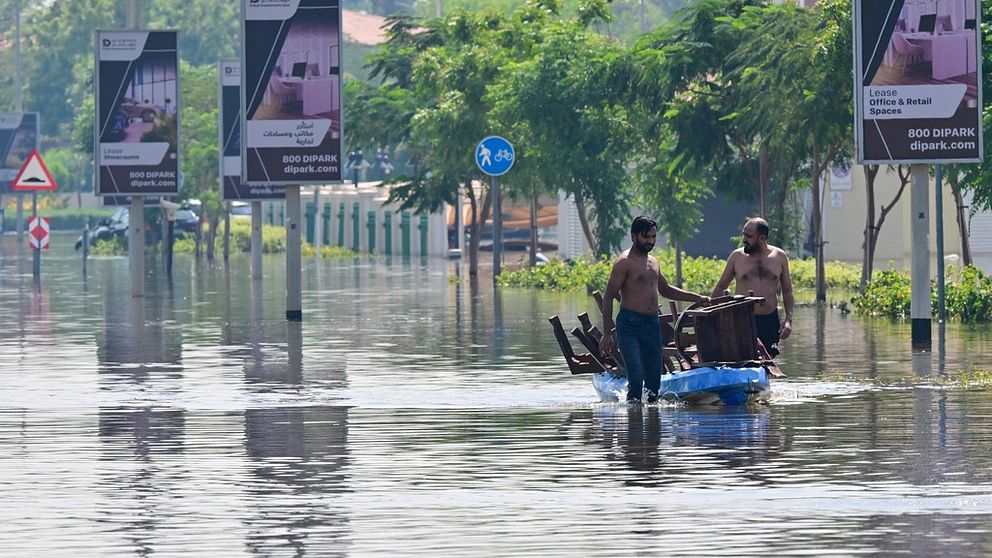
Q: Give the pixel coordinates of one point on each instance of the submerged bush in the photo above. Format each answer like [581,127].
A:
[698,274]
[888,294]
[116,246]
[968,295]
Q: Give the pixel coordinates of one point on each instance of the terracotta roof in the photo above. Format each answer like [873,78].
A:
[363,28]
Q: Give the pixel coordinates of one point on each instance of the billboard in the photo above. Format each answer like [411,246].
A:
[291,83]
[18,138]
[918,81]
[137,113]
[230,141]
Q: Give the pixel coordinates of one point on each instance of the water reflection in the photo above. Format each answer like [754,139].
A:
[410,413]
[138,476]
[298,461]
[665,445]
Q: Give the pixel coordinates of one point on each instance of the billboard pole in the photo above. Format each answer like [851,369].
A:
[294,294]
[256,239]
[136,215]
[920,305]
[939,210]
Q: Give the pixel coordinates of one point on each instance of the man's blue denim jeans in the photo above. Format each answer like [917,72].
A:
[639,341]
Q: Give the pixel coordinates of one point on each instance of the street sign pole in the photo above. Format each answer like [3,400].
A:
[495,156]
[497,229]
[37,251]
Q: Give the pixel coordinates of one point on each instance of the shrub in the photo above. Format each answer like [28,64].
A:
[699,275]
[116,246]
[888,294]
[968,295]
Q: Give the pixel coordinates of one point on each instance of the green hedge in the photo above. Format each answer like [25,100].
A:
[65,219]
[968,295]
[698,274]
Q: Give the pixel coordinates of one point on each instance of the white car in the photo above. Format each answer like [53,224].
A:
[240,210]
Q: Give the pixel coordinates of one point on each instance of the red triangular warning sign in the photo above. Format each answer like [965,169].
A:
[33,175]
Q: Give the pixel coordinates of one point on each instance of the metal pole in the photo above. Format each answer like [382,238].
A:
[86,246]
[941,309]
[497,229]
[18,107]
[256,239]
[920,308]
[294,294]
[136,215]
[227,231]
[437,8]
[37,251]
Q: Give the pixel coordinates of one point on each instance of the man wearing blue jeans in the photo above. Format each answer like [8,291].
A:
[637,278]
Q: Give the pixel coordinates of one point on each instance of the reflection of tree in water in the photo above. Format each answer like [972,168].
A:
[298,456]
[652,441]
[137,446]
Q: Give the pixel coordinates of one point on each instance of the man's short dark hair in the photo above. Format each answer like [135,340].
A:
[761,226]
[642,224]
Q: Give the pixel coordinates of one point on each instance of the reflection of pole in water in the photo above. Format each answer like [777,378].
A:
[942,347]
[294,452]
[821,334]
[497,322]
[294,350]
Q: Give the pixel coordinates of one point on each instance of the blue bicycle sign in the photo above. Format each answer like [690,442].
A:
[494,156]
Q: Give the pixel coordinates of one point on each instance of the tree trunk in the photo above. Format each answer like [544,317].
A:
[533,230]
[79,199]
[962,225]
[479,218]
[580,206]
[678,264]
[197,236]
[871,172]
[764,171]
[212,237]
[821,282]
[473,228]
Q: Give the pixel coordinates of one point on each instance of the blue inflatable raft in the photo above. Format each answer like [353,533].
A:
[698,386]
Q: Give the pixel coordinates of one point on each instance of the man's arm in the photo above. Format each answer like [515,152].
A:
[787,299]
[726,278]
[674,293]
[612,289]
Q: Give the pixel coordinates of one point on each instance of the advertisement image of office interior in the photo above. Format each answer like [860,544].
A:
[304,83]
[149,101]
[934,41]
[22,142]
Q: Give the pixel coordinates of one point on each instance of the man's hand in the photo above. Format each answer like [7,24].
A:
[786,330]
[606,344]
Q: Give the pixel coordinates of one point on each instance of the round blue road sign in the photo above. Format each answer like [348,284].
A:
[494,156]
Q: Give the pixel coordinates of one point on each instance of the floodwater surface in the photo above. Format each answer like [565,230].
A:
[414,412]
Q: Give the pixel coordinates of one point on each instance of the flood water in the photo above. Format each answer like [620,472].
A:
[415,413]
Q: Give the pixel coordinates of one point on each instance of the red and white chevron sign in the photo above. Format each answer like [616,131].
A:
[38,233]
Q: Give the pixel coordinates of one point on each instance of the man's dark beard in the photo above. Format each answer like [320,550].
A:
[748,248]
[643,247]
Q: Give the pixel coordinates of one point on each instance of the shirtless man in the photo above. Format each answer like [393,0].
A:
[638,279]
[759,267]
